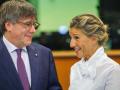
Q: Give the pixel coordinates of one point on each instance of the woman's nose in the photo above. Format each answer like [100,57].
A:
[72,43]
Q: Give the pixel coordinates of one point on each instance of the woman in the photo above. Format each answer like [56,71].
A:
[95,70]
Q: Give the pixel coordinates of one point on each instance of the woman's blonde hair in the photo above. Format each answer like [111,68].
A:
[91,25]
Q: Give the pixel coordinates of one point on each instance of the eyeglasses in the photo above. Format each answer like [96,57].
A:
[28,25]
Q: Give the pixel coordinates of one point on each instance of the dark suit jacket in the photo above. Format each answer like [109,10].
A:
[43,73]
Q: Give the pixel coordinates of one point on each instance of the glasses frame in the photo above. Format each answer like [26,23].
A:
[30,24]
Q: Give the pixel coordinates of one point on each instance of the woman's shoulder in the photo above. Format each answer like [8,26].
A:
[110,62]
[107,65]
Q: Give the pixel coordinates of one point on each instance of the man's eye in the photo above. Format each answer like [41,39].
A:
[28,24]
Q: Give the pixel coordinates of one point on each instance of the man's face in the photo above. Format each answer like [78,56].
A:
[20,34]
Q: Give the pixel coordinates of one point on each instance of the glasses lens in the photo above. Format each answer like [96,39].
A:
[36,25]
[29,24]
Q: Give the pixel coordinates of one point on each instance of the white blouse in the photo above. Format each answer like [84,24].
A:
[98,73]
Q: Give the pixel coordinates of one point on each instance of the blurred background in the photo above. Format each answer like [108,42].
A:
[55,15]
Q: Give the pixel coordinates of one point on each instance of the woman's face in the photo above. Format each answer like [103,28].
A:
[83,46]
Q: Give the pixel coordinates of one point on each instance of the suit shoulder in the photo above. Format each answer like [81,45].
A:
[39,46]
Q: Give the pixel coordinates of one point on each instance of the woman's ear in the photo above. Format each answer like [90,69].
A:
[94,39]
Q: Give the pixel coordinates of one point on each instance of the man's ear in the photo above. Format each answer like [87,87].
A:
[8,26]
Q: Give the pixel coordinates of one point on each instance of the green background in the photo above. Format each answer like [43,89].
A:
[54,13]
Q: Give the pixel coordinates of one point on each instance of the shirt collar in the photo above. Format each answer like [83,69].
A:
[10,46]
[88,68]
[96,57]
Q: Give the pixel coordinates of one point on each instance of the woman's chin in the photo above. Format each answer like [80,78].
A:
[79,55]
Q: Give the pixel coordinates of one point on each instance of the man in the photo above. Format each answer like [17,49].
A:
[23,65]
[2,1]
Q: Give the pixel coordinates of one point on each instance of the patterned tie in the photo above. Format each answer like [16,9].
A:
[21,70]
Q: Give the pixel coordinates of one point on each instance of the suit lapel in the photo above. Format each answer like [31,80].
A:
[34,64]
[9,67]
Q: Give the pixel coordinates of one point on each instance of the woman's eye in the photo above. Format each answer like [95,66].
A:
[76,37]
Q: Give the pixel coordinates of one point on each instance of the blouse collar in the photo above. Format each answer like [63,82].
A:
[88,68]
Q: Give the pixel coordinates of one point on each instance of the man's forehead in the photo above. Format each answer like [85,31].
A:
[30,18]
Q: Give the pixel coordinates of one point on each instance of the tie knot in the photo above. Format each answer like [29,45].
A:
[18,51]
